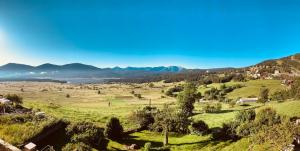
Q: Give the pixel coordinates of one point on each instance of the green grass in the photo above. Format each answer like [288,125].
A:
[252,88]
[179,142]
[86,104]
[18,132]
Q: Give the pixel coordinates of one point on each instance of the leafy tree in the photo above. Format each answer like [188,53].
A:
[114,129]
[17,100]
[164,119]
[263,95]
[187,98]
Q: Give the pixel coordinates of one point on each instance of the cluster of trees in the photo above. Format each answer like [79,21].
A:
[219,94]
[171,118]
[201,76]
[265,128]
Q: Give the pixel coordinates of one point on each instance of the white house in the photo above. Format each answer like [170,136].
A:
[246,100]
[5,101]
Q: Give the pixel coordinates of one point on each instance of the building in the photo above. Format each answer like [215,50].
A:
[246,100]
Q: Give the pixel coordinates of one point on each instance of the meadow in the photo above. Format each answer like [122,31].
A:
[98,102]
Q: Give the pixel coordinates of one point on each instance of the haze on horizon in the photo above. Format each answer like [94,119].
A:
[191,34]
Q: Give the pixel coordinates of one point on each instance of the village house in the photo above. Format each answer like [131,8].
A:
[246,100]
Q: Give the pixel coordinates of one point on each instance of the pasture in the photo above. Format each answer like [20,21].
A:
[98,102]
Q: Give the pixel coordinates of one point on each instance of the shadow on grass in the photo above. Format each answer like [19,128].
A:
[128,140]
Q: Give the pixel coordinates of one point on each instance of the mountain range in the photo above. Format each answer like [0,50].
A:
[80,71]
[290,64]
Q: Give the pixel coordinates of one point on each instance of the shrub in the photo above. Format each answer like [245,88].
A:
[212,108]
[245,116]
[147,146]
[267,116]
[76,147]
[144,117]
[138,96]
[114,129]
[171,91]
[86,133]
[277,136]
[14,98]
[68,95]
[280,95]
[226,132]
[151,85]
[232,103]
[199,128]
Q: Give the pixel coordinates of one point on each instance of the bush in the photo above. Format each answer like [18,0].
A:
[138,96]
[114,129]
[147,146]
[267,116]
[245,116]
[278,136]
[199,128]
[76,147]
[144,117]
[171,91]
[226,132]
[14,98]
[86,133]
[68,96]
[212,108]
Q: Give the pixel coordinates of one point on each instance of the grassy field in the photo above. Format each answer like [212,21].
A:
[85,103]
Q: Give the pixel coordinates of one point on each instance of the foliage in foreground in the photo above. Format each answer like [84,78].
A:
[86,133]
[114,129]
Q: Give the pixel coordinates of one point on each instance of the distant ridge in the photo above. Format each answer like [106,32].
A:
[80,66]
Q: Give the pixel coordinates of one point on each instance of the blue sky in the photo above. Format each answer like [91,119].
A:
[107,33]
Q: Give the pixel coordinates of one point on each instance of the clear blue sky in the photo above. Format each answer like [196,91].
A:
[106,33]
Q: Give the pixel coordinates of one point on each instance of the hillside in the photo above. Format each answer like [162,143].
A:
[289,65]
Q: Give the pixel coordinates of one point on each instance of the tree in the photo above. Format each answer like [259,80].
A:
[164,119]
[187,98]
[17,100]
[114,129]
[263,95]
